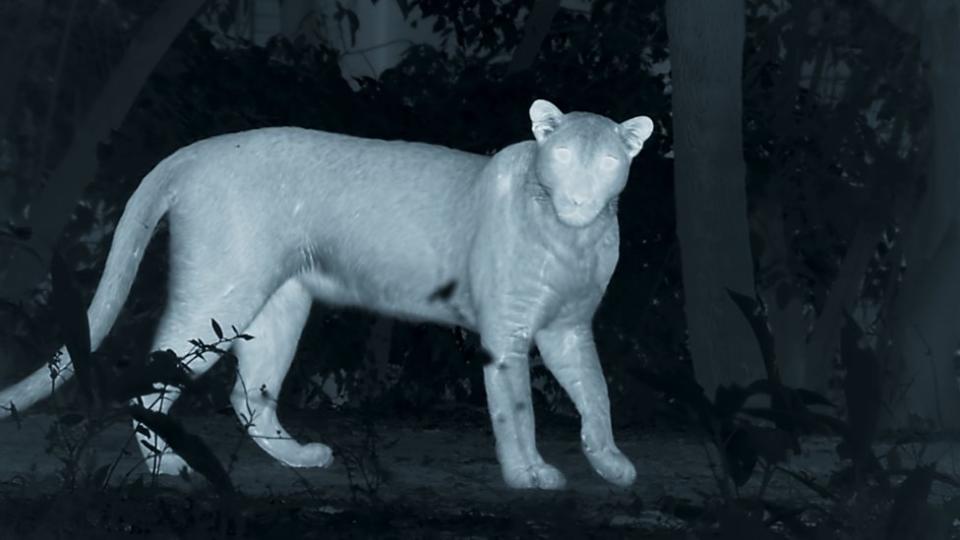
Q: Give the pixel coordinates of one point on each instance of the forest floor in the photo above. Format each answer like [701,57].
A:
[438,479]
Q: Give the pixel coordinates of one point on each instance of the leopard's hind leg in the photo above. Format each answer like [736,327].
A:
[183,321]
[263,364]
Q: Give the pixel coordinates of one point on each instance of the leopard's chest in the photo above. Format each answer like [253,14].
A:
[538,282]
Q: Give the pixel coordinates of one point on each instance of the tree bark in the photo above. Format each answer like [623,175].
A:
[52,210]
[706,54]
[925,324]
[784,302]
[923,328]
[842,297]
[810,364]
[15,58]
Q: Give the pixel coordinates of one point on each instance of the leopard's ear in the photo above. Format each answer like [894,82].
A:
[545,117]
[634,132]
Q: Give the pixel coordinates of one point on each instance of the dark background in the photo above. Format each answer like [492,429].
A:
[814,170]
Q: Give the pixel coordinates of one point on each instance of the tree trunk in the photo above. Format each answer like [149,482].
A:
[535,30]
[843,296]
[784,302]
[926,327]
[15,58]
[706,54]
[51,212]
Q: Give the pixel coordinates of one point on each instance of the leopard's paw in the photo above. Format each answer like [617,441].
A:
[308,455]
[538,476]
[613,466]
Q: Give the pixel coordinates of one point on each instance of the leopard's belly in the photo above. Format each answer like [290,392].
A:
[446,303]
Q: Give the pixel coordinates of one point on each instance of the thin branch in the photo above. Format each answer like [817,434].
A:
[52,208]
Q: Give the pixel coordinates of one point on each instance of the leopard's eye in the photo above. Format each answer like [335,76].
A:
[563,154]
[608,162]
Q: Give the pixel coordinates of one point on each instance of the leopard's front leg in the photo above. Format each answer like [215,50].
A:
[570,354]
[507,381]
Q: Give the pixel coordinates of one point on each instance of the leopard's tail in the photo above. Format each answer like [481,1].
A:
[143,211]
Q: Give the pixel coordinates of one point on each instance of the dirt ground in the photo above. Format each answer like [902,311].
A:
[447,466]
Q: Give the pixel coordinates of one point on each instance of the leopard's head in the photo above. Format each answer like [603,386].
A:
[583,159]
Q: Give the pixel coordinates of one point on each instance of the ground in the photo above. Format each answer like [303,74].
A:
[441,478]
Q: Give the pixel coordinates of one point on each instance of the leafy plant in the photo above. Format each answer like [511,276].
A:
[861,493]
[106,388]
[366,473]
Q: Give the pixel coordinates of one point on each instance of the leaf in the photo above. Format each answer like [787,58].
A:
[216,328]
[149,446]
[752,309]
[100,476]
[189,446]
[352,20]
[808,419]
[354,26]
[405,8]
[15,414]
[163,367]
[741,457]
